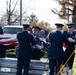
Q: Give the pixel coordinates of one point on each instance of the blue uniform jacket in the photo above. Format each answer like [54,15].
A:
[71,46]
[25,40]
[56,39]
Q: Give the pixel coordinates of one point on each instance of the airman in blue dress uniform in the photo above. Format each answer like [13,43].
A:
[71,45]
[36,52]
[25,40]
[55,52]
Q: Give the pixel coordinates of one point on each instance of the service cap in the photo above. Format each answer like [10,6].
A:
[26,25]
[36,28]
[70,25]
[59,24]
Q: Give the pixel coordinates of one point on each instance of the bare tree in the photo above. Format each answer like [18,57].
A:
[68,9]
[12,15]
[31,18]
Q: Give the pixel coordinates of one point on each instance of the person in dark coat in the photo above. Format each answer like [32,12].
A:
[1,30]
[55,52]
[25,40]
[2,48]
[71,45]
[36,52]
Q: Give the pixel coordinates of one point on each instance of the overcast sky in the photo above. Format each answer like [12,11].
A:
[42,9]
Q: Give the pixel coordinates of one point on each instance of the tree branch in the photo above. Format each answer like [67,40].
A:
[14,6]
[60,14]
[18,17]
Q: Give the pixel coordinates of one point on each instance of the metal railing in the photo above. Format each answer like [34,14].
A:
[8,67]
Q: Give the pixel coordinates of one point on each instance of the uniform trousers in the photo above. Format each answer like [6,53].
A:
[71,60]
[54,66]
[36,54]
[2,51]
[22,63]
[70,63]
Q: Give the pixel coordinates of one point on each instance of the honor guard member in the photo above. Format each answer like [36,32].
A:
[36,52]
[70,34]
[25,40]
[55,52]
[2,47]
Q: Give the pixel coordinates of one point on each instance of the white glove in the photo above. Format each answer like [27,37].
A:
[71,40]
[70,72]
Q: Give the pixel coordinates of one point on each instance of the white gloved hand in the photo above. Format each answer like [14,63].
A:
[70,72]
[71,40]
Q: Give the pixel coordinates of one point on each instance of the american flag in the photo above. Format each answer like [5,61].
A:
[8,39]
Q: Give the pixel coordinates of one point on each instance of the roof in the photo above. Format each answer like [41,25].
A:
[13,26]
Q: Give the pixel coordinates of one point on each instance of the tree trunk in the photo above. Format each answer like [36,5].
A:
[74,16]
[9,19]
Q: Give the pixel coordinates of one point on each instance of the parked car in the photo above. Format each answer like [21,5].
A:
[12,29]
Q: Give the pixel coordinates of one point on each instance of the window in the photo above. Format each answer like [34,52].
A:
[11,30]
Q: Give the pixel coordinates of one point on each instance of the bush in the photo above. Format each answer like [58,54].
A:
[11,53]
[44,54]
